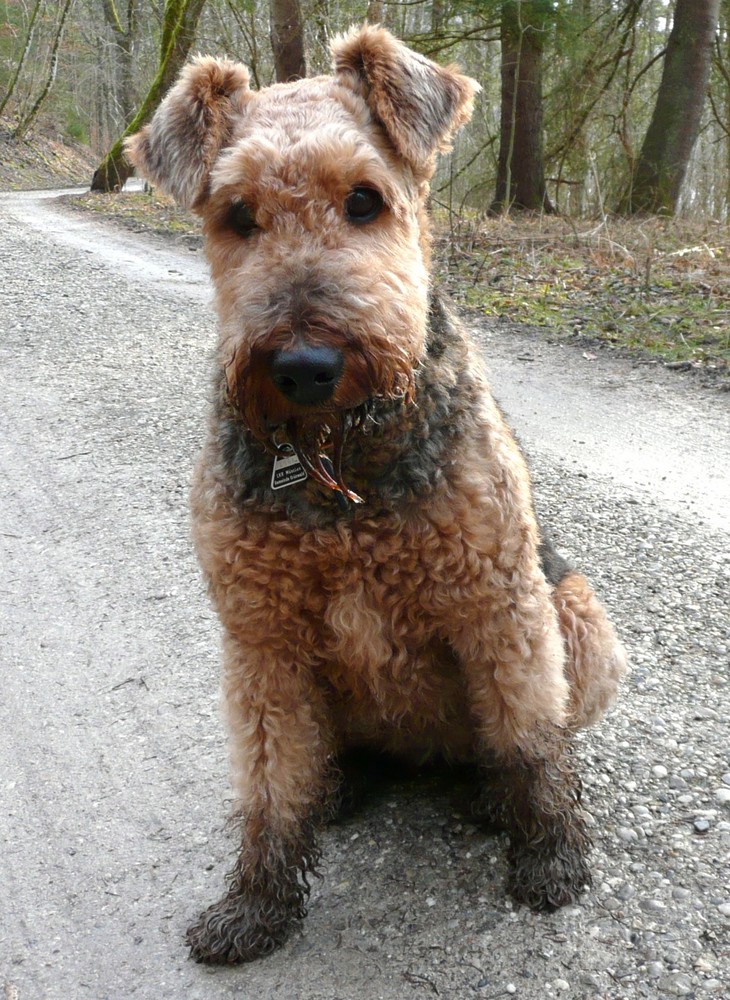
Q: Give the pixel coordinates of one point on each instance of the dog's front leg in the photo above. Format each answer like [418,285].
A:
[513,664]
[548,838]
[280,755]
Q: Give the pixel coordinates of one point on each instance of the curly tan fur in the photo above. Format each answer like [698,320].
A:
[595,662]
[430,619]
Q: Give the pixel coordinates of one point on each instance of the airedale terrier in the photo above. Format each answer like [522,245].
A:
[361,511]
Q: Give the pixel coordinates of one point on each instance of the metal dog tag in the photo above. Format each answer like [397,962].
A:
[287,471]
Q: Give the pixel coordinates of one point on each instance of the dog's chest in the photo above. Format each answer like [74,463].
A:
[383,657]
[358,627]
[377,598]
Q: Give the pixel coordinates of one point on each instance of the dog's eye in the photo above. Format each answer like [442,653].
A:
[363,204]
[240,219]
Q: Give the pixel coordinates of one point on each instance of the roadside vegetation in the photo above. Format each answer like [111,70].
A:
[657,286]
[43,159]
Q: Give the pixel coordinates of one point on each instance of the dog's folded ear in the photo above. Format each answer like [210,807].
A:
[419,103]
[194,122]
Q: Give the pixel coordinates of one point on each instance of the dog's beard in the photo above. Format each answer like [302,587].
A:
[310,439]
[263,412]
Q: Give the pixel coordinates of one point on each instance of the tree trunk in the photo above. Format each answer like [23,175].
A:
[375,13]
[662,164]
[125,37]
[126,46]
[438,16]
[178,34]
[725,34]
[24,124]
[287,40]
[520,168]
[23,56]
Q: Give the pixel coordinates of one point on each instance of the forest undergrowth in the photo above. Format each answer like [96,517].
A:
[659,288]
[43,159]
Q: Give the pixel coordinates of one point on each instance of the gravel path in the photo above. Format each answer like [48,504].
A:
[112,760]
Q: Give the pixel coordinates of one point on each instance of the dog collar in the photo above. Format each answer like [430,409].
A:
[288,470]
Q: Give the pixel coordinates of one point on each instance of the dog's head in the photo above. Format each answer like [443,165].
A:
[313,199]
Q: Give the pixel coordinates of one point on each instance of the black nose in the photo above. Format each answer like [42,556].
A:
[307,375]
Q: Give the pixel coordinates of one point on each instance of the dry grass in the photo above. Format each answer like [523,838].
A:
[152,212]
[657,286]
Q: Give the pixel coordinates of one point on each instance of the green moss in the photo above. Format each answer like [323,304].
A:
[75,126]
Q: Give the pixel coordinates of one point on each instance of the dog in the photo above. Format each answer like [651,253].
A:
[361,511]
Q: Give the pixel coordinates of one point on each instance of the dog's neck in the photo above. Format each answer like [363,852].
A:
[394,458]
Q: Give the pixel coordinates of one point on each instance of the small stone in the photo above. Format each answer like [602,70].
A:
[626,834]
[726,779]
[681,985]
[723,796]
[713,985]
[510,988]
[701,824]
[705,713]
[681,895]
[724,909]
[659,771]
[561,984]
[673,957]
[592,980]
[654,970]
[651,905]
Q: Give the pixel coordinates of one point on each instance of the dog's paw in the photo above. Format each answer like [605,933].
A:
[546,881]
[238,929]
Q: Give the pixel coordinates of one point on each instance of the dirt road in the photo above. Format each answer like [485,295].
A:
[112,759]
